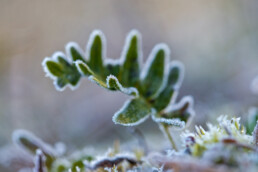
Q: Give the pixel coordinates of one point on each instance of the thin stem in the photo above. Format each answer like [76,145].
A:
[170,138]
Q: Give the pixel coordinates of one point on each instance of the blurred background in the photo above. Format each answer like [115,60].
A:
[216,40]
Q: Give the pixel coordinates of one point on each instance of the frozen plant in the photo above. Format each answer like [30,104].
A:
[48,157]
[153,89]
[227,131]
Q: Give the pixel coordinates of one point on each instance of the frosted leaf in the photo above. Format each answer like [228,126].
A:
[74,52]
[96,51]
[134,112]
[154,88]
[172,84]
[177,115]
[98,81]
[61,71]
[152,75]
[112,67]
[31,143]
[131,59]
[114,84]
[83,68]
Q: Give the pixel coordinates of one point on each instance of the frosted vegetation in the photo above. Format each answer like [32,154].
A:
[152,89]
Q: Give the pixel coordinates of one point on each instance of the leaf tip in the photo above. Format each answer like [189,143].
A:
[97,34]
[133,35]
[83,68]
[181,72]
[112,82]
[162,47]
[46,69]
[73,51]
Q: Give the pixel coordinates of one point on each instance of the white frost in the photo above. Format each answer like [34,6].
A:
[176,122]
[129,91]
[54,78]
[17,134]
[127,46]
[91,41]
[76,47]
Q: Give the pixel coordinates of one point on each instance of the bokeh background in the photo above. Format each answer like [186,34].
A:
[216,40]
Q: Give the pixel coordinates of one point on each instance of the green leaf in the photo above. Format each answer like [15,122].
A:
[112,67]
[130,69]
[61,71]
[134,112]
[60,83]
[176,74]
[98,81]
[177,115]
[74,51]
[96,52]
[154,70]
[113,84]
[83,68]
[169,92]
[164,98]
[54,68]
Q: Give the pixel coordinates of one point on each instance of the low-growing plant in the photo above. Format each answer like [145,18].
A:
[153,92]
[56,159]
[153,89]
[225,143]
[227,130]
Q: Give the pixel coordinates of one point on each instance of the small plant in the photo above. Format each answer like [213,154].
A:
[55,159]
[224,143]
[153,89]
[227,130]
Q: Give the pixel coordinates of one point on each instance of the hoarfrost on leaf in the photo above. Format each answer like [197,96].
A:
[154,88]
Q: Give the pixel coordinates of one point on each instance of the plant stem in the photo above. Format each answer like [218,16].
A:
[170,138]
